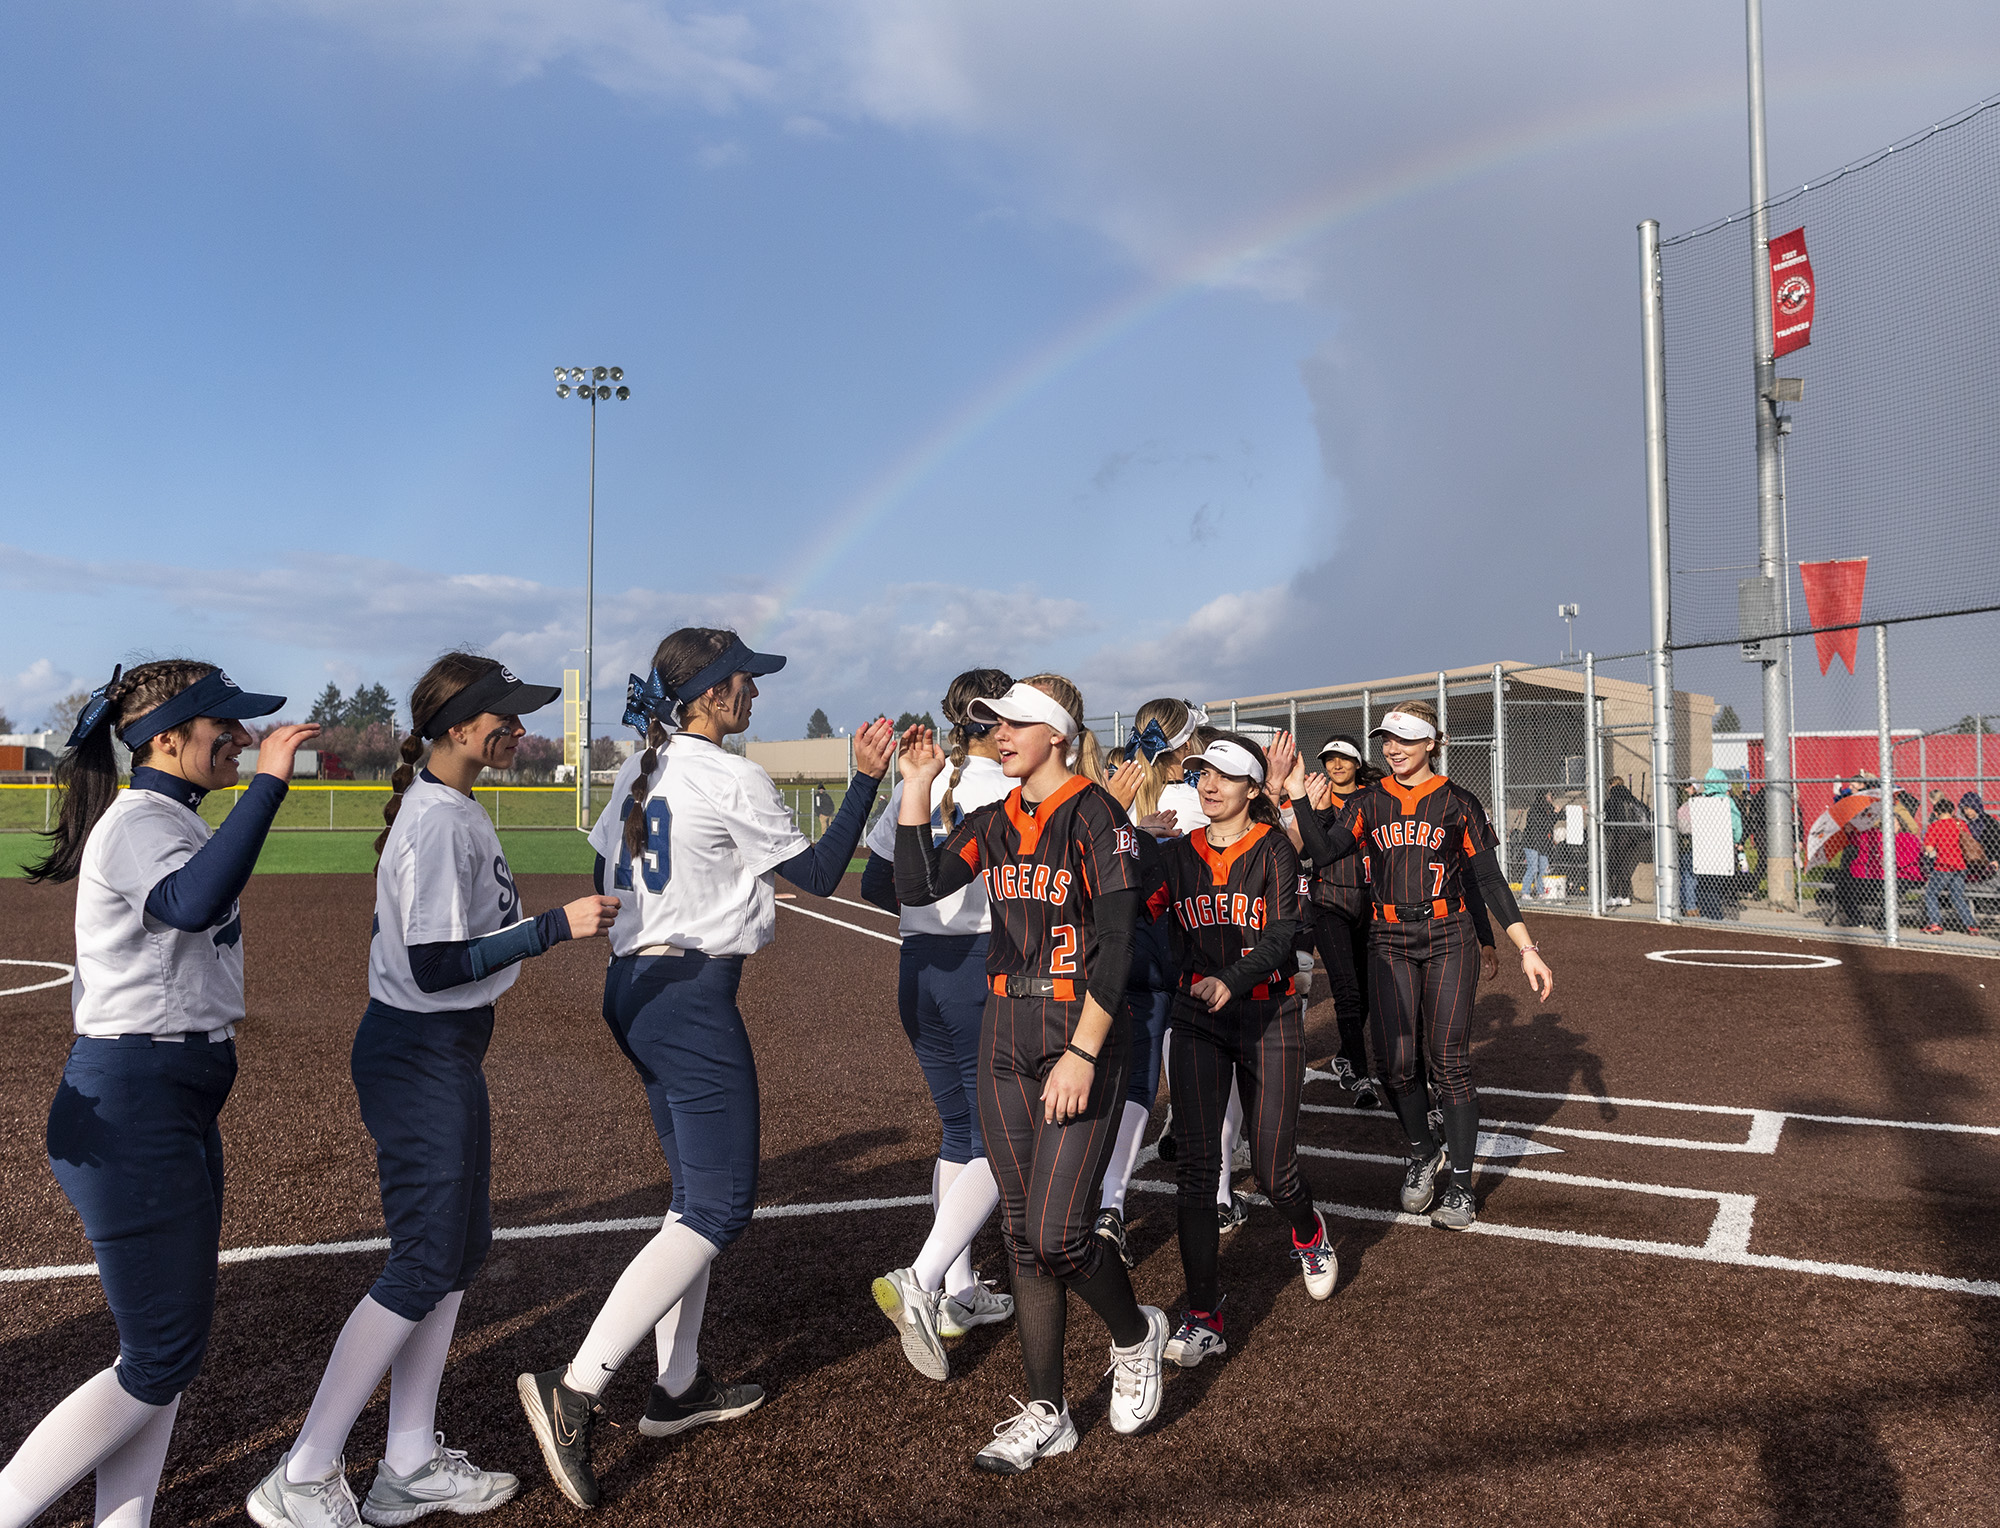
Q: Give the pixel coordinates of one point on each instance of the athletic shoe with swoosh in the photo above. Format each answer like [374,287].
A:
[981,1305]
[1420,1179]
[562,1419]
[1135,1375]
[913,1311]
[702,1402]
[448,1482]
[282,1503]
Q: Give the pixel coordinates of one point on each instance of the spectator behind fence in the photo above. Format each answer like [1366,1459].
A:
[1948,843]
[1983,827]
[1538,840]
[1703,855]
[1860,888]
[1627,824]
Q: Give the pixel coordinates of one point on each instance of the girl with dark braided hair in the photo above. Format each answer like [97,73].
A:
[157,996]
[942,998]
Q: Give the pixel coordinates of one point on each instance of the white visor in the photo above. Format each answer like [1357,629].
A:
[1344,748]
[1024,704]
[1231,759]
[1411,729]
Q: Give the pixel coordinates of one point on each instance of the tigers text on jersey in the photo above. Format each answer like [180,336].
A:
[1042,869]
[134,974]
[964,911]
[607,837]
[1224,899]
[1418,840]
[442,877]
[716,830]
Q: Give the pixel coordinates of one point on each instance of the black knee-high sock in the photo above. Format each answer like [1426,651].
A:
[1461,1139]
[1108,1291]
[1412,1108]
[1041,1312]
[1201,1251]
[1302,1215]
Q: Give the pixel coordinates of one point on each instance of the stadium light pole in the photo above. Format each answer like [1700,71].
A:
[1777,667]
[595,385]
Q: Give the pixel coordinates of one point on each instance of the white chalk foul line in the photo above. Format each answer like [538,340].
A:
[501,1233]
[807,912]
[68,975]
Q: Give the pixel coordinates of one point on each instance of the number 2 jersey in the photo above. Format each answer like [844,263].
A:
[1042,870]
[1227,906]
[1419,841]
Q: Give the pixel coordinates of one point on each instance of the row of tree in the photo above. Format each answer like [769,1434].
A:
[818,726]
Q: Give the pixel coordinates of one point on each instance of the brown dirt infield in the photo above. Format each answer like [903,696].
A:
[1456,1379]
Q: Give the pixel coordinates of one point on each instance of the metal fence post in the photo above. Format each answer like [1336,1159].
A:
[1367,721]
[1653,361]
[1593,788]
[1232,716]
[1885,766]
[1117,728]
[1443,764]
[1500,765]
[1293,727]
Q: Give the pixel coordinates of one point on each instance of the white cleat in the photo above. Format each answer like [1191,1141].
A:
[1196,1338]
[914,1313]
[981,1305]
[1318,1262]
[281,1503]
[1135,1375]
[1031,1434]
[450,1482]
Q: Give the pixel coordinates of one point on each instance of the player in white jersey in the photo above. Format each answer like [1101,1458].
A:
[706,834]
[158,993]
[450,933]
[941,996]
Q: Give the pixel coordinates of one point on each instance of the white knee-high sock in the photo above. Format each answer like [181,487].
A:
[1124,1155]
[1232,1127]
[677,1335]
[652,1284]
[87,1426]
[128,1478]
[946,1259]
[368,1344]
[413,1387]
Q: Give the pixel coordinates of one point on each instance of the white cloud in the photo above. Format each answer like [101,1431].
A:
[27,696]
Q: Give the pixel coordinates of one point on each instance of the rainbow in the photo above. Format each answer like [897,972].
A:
[1297,225]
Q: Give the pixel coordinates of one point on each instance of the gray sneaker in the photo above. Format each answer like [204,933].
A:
[450,1482]
[282,1503]
[1420,1180]
[913,1311]
[980,1305]
[1456,1211]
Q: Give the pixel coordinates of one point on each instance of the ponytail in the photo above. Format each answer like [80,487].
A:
[680,656]
[1090,756]
[87,774]
[410,752]
[642,782]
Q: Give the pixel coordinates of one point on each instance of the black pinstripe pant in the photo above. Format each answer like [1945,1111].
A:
[1261,1045]
[1423,978]
[1341,936]
[1050,1176]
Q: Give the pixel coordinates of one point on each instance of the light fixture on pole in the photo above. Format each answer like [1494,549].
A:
[595,385]
[1567,614]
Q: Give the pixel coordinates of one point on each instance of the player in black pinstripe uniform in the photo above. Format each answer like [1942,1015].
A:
[1341,909]
[1232,894]
[1426,839]
[1061,867]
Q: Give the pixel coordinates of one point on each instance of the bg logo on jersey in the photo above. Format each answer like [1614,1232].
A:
[1036,883]
[1406,833]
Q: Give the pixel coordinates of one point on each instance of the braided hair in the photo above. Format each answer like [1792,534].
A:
[442,680]
[678,658]
[88,773]
[973,684]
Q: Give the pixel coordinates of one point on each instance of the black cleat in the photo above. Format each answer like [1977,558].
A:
[1111,1231]
[1367,1093]
[1231,1215]
[562,1419]
[702,1402]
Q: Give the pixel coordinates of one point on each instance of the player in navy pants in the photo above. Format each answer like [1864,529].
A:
[1430,848]
[1061,870]
[132,1133]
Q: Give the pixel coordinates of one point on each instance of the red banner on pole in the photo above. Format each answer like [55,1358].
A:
[1833,598]
[1791,293]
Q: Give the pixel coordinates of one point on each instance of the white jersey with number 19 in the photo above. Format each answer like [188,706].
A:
[716,830]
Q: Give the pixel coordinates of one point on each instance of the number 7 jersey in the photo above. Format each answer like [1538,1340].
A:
[1418,841]
[1042,869]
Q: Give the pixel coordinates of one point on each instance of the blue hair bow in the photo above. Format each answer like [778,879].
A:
[643,699]
[1152,742]
[96,710]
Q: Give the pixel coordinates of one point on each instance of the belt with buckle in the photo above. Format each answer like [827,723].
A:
[1417,912]
[1061,989]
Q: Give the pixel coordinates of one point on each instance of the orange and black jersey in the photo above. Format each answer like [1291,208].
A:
[1235,910]
[1064,879]
[1425,845]
[1344,883]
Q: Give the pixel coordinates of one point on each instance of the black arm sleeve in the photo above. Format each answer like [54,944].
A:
[597,877]
[878,884]
[196,896]
[1482,925]
[923,875]
[1325,842]
[454,962]
[1271,952]
[1494,891]
[818,869]
[1115,913]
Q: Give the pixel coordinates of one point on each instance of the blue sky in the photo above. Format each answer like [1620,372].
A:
[1187,348]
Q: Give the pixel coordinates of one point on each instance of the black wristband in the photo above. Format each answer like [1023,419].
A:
[1081,1053]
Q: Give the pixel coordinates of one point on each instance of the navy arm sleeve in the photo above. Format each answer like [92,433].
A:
[1494,891]
[454,962]
[1114,913]
[817,870]
[878,884]
[597,877]
[195,896]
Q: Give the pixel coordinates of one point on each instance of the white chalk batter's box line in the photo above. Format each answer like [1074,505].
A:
[1728,1239]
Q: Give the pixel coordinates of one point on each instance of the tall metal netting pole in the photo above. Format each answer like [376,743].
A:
[1593,787]
[1885,767]
[1500,763]
[1653,360]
